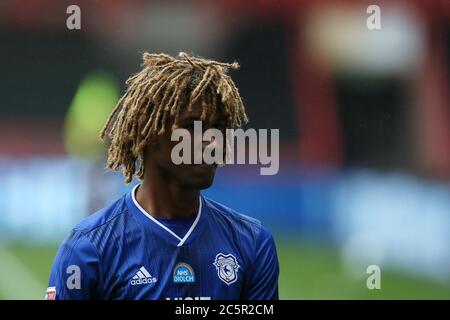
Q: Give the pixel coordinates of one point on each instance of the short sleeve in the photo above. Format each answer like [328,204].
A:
[263,275]
[74,273]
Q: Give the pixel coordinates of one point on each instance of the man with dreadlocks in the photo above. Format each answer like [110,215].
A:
[164,240]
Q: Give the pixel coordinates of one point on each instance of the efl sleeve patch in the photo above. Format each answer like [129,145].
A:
[50,294]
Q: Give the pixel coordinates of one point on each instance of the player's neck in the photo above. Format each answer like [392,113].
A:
[166,199]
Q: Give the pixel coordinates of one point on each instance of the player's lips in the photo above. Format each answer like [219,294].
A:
[202,163]
[205,166]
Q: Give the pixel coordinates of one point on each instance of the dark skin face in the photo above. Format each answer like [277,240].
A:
[170,190]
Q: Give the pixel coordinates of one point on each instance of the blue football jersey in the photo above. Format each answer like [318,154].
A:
[122,252]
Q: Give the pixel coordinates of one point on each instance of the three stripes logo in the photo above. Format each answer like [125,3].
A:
[142,277]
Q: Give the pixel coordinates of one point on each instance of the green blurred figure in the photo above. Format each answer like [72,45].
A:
[94,99]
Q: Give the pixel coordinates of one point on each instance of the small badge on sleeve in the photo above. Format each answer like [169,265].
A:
[51,293]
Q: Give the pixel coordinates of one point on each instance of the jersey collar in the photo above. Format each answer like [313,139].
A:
[157,226]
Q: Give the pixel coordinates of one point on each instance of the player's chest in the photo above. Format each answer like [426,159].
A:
[209,271]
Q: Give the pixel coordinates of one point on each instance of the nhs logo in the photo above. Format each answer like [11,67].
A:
[183,273]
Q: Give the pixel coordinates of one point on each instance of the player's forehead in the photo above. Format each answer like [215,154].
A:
[197,110]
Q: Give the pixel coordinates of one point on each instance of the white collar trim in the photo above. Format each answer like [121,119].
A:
[186,236]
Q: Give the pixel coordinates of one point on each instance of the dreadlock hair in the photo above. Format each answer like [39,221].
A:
[164,86]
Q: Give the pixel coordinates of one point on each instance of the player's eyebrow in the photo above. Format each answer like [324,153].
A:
[189,119]
[193,117]
[221,121]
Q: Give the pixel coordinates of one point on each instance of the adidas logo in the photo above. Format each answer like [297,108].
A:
[142,277]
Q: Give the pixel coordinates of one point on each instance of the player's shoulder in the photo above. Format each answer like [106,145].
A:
[228,213]
[102,218]
[235,220]
[97,231]
[100,227]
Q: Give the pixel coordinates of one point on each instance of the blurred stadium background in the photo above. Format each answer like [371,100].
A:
[364,119]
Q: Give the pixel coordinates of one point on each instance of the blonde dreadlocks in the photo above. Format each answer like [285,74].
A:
[164,86]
